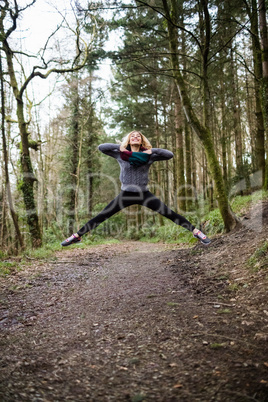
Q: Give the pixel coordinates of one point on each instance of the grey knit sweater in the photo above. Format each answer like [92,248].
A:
[134,178]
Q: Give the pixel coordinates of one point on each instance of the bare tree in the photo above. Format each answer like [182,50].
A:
[10,13]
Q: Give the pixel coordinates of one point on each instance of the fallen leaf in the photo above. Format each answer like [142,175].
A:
[261,336]
[248,323]
[178,385]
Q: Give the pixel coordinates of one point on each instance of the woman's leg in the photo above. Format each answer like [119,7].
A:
[123,200]
[154,203]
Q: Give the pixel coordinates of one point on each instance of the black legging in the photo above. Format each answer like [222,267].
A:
[127,198]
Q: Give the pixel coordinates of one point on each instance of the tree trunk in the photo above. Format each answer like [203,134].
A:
[3,215]
[158,167]
[187,131]
[237,122]
[203,132]
[258,74]
[174,169]
[223,135]
[264,48]
[251,123]
[180,155]
[28,178]
[5,153]
[73,155]
[194,167]
[188,162]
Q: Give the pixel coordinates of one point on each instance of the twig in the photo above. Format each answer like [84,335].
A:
[30,258]
[222,304]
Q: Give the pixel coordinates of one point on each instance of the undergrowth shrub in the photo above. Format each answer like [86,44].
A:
[214,222]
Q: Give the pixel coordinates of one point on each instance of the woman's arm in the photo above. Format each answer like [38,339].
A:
[159,154]
[110,149]
[148,151]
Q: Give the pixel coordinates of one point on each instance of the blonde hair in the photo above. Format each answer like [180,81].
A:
[144,141]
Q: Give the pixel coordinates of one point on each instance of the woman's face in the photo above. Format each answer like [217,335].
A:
[135,139]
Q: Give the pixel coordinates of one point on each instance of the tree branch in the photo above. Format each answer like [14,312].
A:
[27,6]
[157,9]
[46,44]
[13,17]
[73,68]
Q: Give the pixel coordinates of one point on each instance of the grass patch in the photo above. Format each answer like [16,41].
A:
[214,222]
[224,311]
[138,398]
[234,287]
[5,268]
[259,258]
[47,251]
[241,203]
[216,345]
[169,234]
[173,304]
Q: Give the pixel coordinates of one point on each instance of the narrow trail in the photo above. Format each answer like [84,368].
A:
[133,322]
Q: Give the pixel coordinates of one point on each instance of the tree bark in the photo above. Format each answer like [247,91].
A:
[73,155]
[158,167]
[5,154]
[237,122]
[188,162]
[223,136]
[180,155]
[258,74]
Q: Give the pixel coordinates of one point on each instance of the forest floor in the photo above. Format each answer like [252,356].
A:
[135,321]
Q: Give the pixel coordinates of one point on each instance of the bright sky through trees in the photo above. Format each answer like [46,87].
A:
[37,24]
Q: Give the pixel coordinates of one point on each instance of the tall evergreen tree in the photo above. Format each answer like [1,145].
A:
[203,131]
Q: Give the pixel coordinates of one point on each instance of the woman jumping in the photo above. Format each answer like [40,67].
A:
[135,155]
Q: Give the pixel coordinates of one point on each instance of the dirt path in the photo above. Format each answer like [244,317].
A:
[138,322]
